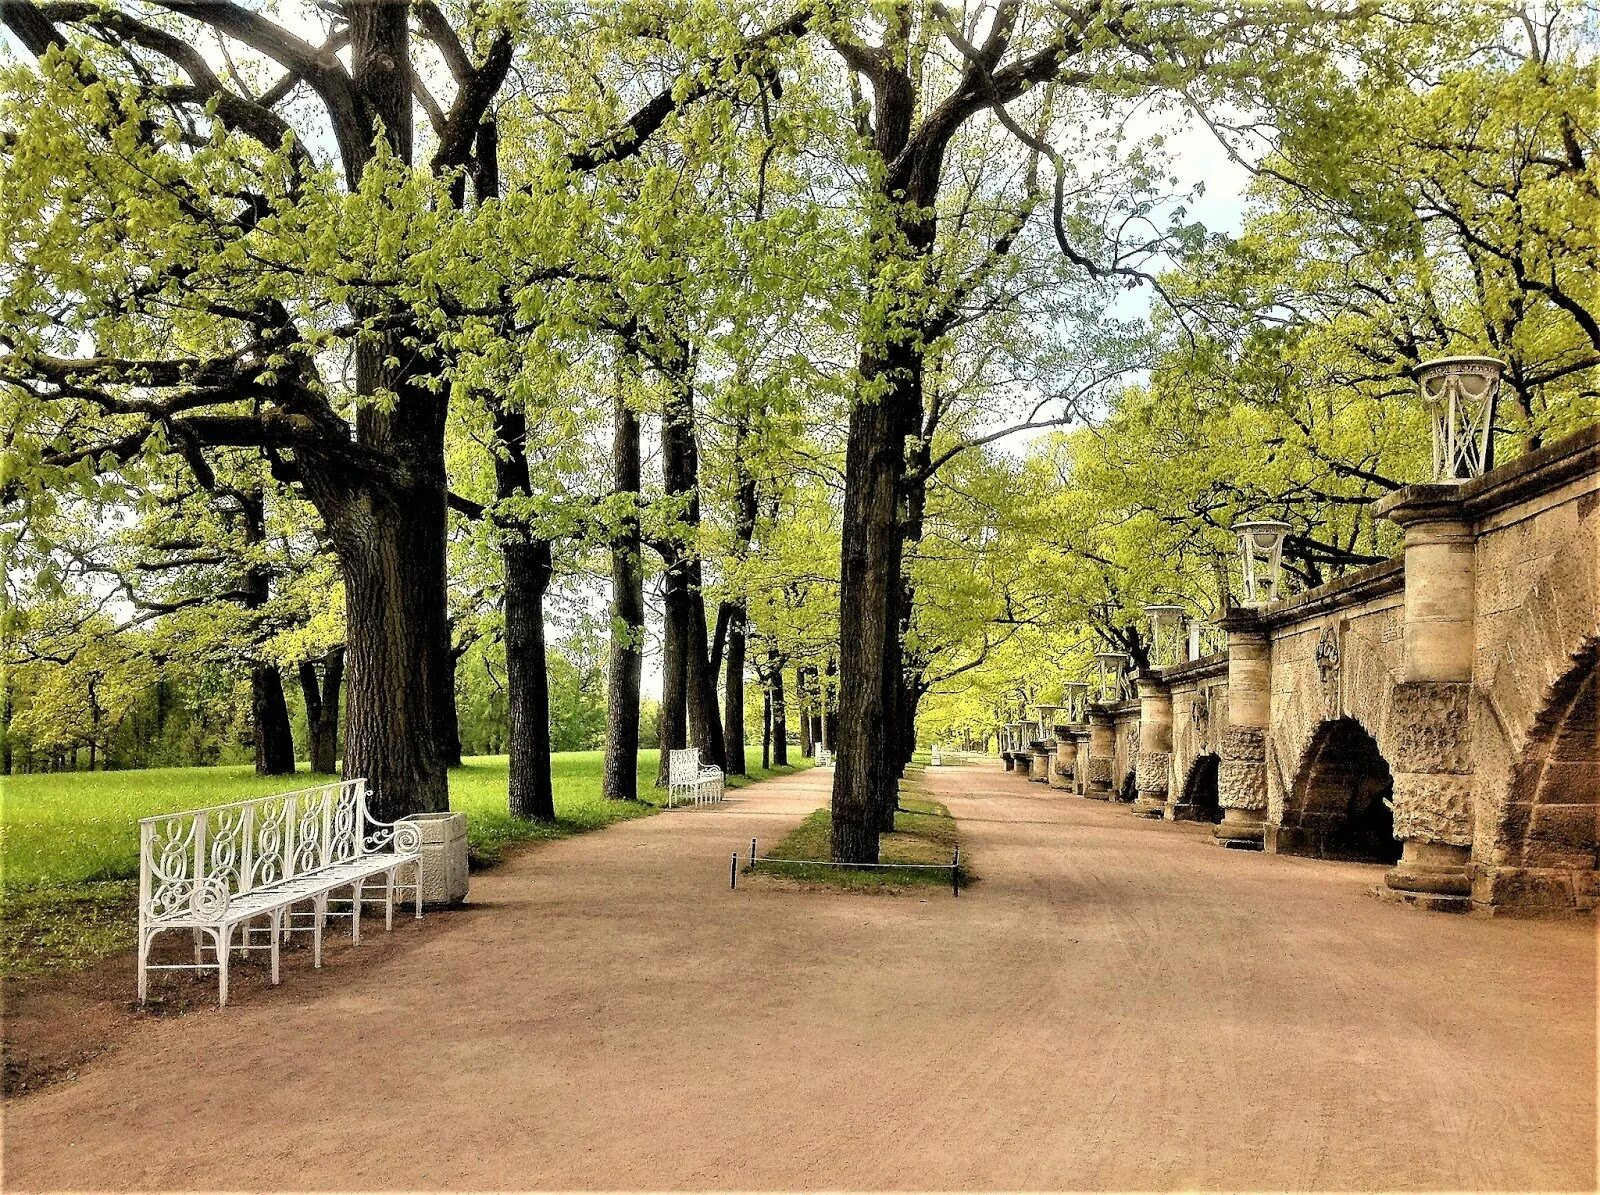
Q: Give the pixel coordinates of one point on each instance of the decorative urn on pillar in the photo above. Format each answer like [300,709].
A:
[1166,633]
[1460,394]
[1261,557]
[1110,667]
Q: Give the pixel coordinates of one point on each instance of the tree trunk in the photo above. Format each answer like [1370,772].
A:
[828,718]
[864,775]
[7,755]
[705,719]
[322,709]
[270,715]
[384,505]
[674,725]
[804,694]
[449,721]
[394,569]
[621,778]
[766,729]
[868,615]
[780,714]
[685,600]
[733,695]
[528,571]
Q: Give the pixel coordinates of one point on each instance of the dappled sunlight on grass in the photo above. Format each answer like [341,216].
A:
[924,833]
[69,841]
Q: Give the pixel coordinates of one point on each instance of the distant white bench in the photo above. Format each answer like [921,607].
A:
[691,782]
[824,757]
[245,866]
[935,757]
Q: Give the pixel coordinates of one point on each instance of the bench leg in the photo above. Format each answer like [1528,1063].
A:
[224,936]
[278,919]
[355,911]
[145,939]
[417,875]
[319,914]
[388,901]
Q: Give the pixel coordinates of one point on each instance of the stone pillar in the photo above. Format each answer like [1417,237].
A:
[1242,776]
[1024,760]
[1061,774]
[1102,752]
[1010,763]
[1043,754]
[1154,766]
[1429,708]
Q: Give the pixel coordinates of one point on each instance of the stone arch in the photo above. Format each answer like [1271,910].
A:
[1340,804]
[1549,828]
[1200,793]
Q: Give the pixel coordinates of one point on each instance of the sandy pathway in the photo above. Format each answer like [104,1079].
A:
[1119,1004]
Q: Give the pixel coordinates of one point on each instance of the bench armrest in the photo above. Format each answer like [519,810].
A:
[402,837]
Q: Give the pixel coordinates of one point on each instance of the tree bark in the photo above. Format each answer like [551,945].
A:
[7,755]
[621,777]
[803,697]
[686,609]
[528,571]
[733,615]
[270,714]
[384,506]
[673,730]
[322,709]
[449,720]
[733,695]
[705,719]
[780,713]
[864,774]
[394,568]
[766,729]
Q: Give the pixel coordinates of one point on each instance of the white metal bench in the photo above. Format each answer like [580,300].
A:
[690,781]
[233,867]
[935,757]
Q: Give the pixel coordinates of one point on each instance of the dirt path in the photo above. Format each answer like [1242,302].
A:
[1118,1004]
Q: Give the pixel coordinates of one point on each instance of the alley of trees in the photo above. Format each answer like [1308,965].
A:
[387,382]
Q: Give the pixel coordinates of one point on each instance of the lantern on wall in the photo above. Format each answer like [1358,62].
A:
[1166,633]
[1075,700]
[1110,666]
[1460,394]
[1261,556]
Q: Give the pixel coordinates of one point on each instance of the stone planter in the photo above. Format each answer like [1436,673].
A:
[444,857]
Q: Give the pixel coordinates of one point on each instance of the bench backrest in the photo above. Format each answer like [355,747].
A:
[683,766]
[220,853]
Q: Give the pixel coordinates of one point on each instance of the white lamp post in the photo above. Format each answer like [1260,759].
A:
[1110,665]
[1460,394]
[1166,622]
[1261,554]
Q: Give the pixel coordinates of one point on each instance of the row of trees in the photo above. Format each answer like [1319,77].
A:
[380,342]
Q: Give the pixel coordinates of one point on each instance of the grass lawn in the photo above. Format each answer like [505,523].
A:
[924,832]
[69,841]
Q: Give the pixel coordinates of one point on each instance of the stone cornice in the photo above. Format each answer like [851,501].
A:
[1377,580]
[1215,664]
